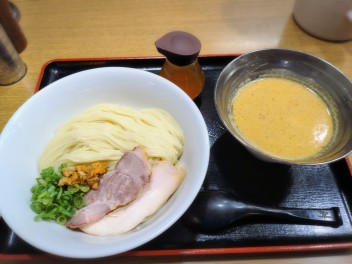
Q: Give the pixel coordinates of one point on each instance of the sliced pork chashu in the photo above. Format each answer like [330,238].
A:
[165,180]
[116,188]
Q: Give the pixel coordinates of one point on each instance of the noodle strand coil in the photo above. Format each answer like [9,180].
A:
[105,131]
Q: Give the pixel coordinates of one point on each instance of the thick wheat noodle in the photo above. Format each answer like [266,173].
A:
[105,131]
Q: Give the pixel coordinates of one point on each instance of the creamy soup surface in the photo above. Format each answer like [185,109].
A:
[282,117]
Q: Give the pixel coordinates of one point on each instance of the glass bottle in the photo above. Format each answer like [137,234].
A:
[181,67]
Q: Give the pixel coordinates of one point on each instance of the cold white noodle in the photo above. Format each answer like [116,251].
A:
[105,131]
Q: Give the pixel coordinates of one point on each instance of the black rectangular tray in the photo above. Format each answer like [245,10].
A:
[232,169]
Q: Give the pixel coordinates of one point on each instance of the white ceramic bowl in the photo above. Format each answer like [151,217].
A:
[32,126]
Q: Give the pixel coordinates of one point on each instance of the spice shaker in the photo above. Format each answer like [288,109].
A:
[181,67]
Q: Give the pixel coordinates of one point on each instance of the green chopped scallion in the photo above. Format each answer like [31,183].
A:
[73,188]
[85,188]
[78,202]
[52,202]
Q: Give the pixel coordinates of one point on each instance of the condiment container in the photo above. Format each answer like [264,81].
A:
[12,27]
[181,67]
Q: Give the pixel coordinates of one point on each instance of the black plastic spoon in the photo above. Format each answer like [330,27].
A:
[217,209]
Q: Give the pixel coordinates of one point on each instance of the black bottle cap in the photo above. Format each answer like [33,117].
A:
[180,48]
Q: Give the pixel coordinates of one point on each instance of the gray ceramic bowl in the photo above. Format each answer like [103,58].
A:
[325,79]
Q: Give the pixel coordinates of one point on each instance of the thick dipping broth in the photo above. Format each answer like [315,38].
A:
[283,118]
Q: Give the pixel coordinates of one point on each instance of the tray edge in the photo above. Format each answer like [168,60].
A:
[198,252]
